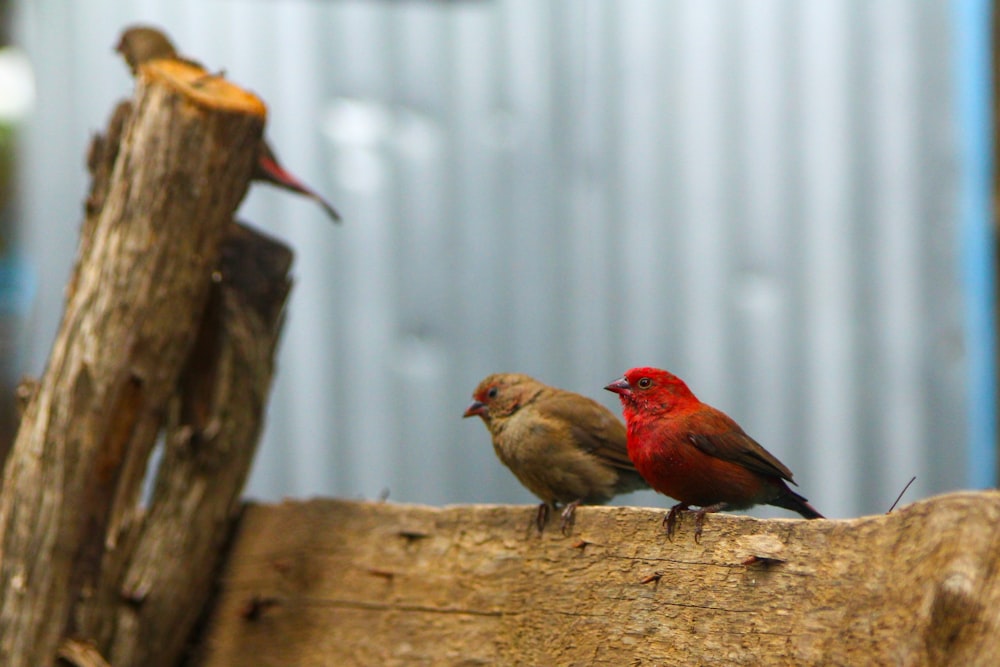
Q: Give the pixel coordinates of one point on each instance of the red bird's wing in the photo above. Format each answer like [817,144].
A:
[594,428]
[718,435]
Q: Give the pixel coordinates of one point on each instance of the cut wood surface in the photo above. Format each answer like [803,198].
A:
[168,177]
[330,582]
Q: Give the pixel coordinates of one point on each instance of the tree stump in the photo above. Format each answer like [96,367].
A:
[332,582]
[160,324]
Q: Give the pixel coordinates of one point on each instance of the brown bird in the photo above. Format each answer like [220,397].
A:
[563,447]
[141,44]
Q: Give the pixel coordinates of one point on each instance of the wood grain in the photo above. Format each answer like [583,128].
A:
[174,170]
[330,582]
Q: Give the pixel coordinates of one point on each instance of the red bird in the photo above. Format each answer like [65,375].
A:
[141,44]
[697,454]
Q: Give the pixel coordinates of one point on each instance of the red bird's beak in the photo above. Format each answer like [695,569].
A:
[620,386]
[475,409]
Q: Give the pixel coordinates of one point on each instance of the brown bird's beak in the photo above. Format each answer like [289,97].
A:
[620,386]
[475,409]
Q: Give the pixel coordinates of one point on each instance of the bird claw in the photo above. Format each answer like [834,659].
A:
[206,77]
[699,518]
[542,516]
[568,517]
[670,520]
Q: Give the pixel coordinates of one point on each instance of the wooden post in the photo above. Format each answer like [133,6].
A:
[167,179]
[349,583]
[212,432]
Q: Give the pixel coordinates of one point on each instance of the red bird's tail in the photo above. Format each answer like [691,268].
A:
[270,171]
[793,501]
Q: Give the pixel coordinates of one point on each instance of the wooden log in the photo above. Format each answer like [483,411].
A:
[332,582]
[151,241]
[212,433]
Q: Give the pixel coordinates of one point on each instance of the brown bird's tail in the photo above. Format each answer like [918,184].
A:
[793,501]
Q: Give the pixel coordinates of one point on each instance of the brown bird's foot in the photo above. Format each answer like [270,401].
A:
[670,520]
[699,518]
[542,516]
[569,517]
[208,76]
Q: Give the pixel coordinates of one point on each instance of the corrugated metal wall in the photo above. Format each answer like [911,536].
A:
[760,196]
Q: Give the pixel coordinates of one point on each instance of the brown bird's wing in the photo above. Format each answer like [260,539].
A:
[719,436]
[593,426]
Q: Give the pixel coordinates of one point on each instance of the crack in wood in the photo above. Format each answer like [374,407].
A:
[417,608]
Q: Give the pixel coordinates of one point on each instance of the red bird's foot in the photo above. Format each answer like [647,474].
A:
[699,518]
[569,517]
[670,520]
[542,516]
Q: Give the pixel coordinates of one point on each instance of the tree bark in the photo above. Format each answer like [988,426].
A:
[150,242]
[212,433]
[350,583]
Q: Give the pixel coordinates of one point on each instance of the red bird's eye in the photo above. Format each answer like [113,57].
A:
[492,393]
[644,383]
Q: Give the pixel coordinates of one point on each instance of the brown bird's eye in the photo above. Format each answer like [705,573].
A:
[492,393]
[644,383]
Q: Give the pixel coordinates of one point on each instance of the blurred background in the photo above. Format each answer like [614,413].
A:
[786,203]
